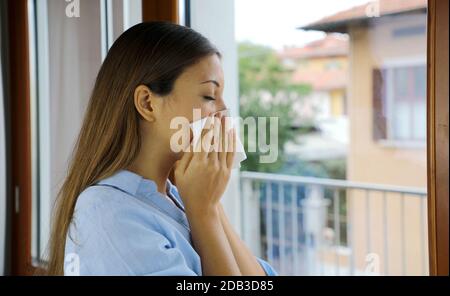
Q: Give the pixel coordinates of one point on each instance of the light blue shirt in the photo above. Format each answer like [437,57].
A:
[123,226]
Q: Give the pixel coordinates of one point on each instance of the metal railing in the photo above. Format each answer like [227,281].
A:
[315,226]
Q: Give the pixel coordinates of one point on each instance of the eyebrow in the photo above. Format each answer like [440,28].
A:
[212,81]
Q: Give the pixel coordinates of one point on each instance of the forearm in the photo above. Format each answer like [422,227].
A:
[247,262]
[211,243]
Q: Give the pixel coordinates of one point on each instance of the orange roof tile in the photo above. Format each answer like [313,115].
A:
[331,45]
[321,80]
[338,21]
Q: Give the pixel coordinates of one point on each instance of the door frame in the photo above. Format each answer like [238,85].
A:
[437,137]
[18,89]
[160,10]
[19,183]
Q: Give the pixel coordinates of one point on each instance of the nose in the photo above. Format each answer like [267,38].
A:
[221,106]
[221,113]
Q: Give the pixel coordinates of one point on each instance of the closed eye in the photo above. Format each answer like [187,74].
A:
[208,98]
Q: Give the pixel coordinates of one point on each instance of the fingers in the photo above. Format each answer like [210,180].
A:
[213,153]
[223,143]
[205,130]
[183,163]
[231,147]
[215,143]
[205,142]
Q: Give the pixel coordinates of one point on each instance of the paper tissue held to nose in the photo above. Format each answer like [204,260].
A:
[197,127]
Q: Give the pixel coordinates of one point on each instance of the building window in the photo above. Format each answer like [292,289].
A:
[406,103]
[400,104]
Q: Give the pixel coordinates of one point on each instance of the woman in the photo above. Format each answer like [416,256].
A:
[117,211]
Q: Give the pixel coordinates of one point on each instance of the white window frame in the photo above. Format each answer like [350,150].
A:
[40,104]
[389,65]
[204,15]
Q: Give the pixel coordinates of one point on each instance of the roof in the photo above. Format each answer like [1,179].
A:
[339,21]
[332,45]
[321,80]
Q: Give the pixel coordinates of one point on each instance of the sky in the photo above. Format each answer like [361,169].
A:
[274,22]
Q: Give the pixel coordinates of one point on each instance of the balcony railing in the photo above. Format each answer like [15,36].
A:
[315,226]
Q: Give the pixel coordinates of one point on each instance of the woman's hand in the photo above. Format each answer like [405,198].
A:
[202,174]
[201,178]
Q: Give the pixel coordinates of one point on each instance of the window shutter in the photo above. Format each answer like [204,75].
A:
[379,129]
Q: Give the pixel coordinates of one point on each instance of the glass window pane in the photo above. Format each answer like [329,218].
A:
[362,168]
[402,120]
[402,83]
[66,54]
[420,120]
[420,86]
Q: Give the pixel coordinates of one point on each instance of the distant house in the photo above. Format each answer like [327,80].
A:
[387,115]
[322,65]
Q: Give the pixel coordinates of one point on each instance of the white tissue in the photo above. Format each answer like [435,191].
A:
[239,156]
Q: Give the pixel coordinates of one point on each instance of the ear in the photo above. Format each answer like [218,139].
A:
[143,100]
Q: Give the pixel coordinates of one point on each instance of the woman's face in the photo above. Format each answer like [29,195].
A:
[199,87]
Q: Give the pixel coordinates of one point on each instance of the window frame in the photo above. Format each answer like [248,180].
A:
[437,136]
[388,68]
[18,148]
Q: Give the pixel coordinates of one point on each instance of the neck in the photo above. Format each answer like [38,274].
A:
[155,164]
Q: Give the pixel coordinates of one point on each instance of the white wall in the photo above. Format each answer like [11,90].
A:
[215,20]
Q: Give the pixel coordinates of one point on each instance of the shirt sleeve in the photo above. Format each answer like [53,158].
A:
[112,242]
[270,271]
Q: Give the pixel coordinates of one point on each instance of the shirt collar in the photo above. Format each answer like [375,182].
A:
[130,182]
[126,181]
[147,190]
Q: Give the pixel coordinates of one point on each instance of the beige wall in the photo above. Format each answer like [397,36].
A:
[335,97]
[373,162]
[370,161]
[337,102]
[320,63]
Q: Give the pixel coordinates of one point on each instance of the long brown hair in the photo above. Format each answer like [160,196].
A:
[153,54]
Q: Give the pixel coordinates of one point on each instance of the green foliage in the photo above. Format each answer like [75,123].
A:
[266,91]
[331,168]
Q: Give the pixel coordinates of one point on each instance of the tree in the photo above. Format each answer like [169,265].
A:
[265,91]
